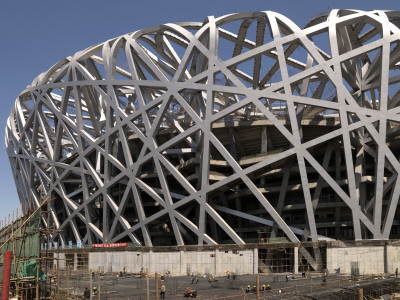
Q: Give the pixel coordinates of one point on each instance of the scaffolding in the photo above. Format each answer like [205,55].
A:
[21,234]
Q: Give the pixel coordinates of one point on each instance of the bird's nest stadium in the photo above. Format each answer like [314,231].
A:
[227,131]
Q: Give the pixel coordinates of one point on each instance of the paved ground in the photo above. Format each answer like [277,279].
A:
[336,286]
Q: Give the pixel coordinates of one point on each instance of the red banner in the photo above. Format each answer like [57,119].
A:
[111,245]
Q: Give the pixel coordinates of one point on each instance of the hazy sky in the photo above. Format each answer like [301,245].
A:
[37,34]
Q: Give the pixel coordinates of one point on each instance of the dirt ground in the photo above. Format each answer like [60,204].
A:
[315,286]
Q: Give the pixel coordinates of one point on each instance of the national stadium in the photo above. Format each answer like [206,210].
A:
[240,129]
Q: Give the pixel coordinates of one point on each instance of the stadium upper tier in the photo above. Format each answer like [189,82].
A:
[238,129]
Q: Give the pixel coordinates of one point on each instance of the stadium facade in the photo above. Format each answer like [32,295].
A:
[240,129]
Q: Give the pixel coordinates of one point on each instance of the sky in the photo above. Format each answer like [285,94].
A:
[34,35]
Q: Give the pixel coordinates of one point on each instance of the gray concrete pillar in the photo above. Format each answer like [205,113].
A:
[90,267]
[150,266]
[264,139]
[75,261]
[255,261]
[55,260]
[296,260]
[216,262]
[182,270]
[61,260]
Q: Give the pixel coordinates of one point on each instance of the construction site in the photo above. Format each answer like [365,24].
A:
[263,270]
[240,157]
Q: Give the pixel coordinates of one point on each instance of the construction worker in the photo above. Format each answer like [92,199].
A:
[248,289]
[268,287]
[94,291]
[263,287]
[162,291]
[86,293]
[254,290]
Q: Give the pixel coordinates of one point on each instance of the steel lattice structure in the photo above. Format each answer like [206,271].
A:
[194,133]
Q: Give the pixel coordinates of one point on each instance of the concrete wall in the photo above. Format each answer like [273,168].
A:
[369,259]
[393,258]
[215,262]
